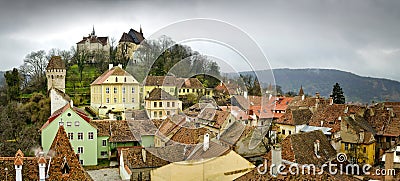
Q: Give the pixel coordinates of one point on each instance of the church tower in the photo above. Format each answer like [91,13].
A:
[55,73]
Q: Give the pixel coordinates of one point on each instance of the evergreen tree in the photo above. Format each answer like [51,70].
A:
[337,94]
[13,81]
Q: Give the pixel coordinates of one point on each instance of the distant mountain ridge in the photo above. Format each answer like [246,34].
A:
[356,88]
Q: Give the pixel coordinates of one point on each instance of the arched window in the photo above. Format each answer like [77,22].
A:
[116,79]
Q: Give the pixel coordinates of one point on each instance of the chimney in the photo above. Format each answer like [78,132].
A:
[316,148]
[322,123]
[120,65]
[317,95]
[18,162]
[302,97]
[330,101]
[42,167]
[110,66]
[144,155]
[346,110]
[389,161]
[245,94]
[206,143]
[72,103]
[270,96]
[276,158]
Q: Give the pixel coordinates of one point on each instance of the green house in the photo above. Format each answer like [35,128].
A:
[81,134]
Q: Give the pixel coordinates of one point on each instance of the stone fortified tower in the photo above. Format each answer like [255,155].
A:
[55,73]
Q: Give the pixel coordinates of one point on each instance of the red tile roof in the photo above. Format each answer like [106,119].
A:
[60,111]
[329,115]
[117,71]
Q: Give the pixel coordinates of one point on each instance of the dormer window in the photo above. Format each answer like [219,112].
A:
[65,167]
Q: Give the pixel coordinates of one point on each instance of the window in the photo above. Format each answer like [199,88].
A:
[155,113]
[123,100]
[133,100]
[60,123]
[155,104]
[104,143]
[69,124]
[365,150]
[124,79]
[123,90]
[107,90]
[80,149]
[133,90]
[160,104]
[160,113]
[81,162]
[103,153]
[115,90]
[116,79]
[80,136]
[115,100]
[346,146]
[168,104]
[173,104]
[187,90]
[171,90]
[90,135]
[71,136]
[76,123]
[168,112]
[184,90]
[108,100]
[290,132]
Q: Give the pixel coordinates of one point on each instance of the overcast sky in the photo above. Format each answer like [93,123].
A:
[362,37]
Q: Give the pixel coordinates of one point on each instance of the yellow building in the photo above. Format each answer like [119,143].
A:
[167,83]
[114,90]
[292,121]
[357,140]
[129,43]
[159,104]
[190,86]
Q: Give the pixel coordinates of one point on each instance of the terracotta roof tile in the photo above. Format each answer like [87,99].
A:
[160,81]
[295,117]
[103,127]
[215,149]
[134,158]
[57,113]
[62,149]
[121,132]
[190,83]
[55,63]
[329,115]
[116,71]
[299,148]
[160,94]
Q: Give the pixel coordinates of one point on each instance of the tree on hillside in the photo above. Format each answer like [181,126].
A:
[252,85]
[80,58]
[337,94]
[13,82]
[34,70]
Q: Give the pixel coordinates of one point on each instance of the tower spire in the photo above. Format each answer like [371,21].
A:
[301,92]
[93,32]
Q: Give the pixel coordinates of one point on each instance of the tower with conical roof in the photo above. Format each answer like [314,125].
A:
[301,92]
[55,74]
